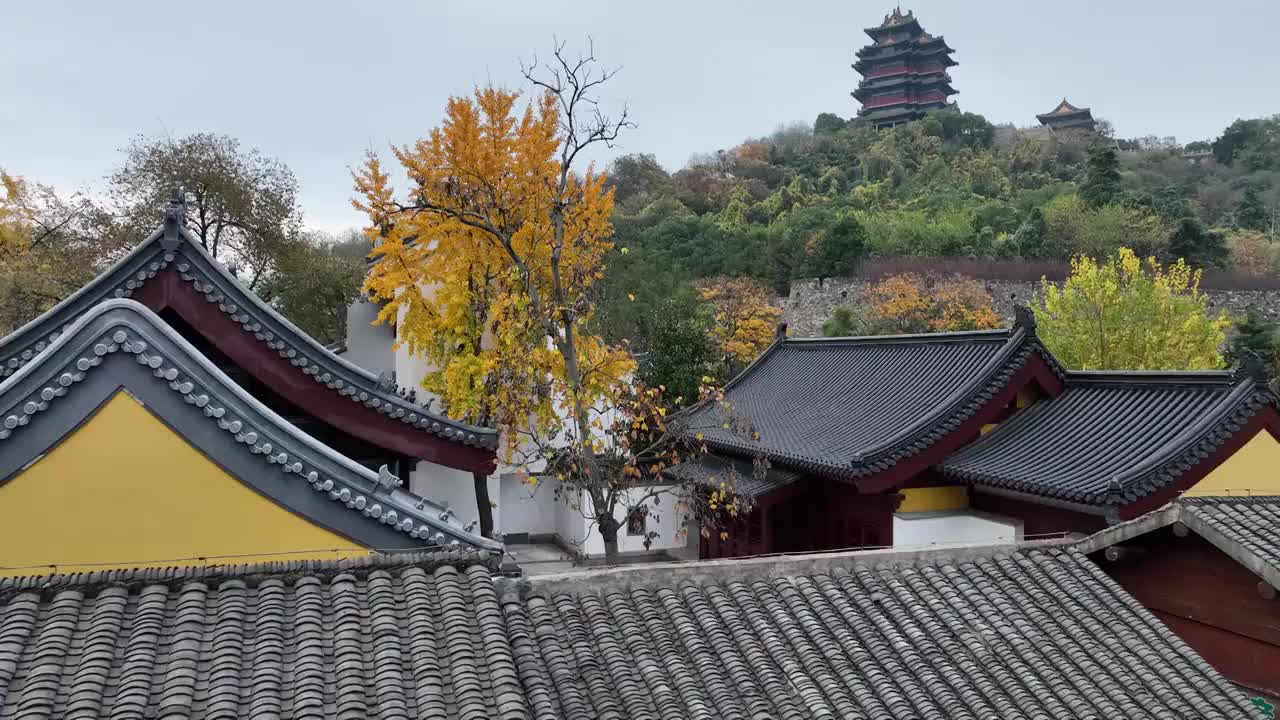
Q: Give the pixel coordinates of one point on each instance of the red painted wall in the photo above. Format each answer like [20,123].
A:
[1037,519]
[1209,600]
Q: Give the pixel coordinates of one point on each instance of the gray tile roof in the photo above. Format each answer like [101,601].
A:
[1034,633]
[172,248]
[121,344]
[741,473]
[1141,430]
[850,407]
[1251,523]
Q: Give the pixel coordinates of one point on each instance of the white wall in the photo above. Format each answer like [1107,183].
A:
[455,487]
[948,527]
[527,508]
[368,345]
[663,519]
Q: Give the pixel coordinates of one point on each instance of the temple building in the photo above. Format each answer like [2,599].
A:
[1067,117]
[1209,568]
[163,412]
[904,72]
[970,437]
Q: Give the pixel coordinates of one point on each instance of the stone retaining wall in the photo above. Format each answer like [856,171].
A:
[811,303]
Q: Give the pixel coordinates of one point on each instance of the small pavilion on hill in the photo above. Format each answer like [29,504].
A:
[164,413]
[956,437]
[1067,117]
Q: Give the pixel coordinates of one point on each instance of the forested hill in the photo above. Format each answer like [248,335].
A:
[808,202]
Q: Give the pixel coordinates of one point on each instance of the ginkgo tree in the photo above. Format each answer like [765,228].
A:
[486,265]
[1130,314]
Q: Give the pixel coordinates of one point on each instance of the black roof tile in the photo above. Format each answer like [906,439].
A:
[1252,523]
[1141,430]
[982,633]
[851,407]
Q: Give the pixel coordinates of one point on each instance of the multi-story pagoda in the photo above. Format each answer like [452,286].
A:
[1067,117]
[904,72]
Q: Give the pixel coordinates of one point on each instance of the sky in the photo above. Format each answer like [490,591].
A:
[315,84]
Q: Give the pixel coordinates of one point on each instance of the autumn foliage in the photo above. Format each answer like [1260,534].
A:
[910,303]
[745,320]
[1130,314]
[479,285]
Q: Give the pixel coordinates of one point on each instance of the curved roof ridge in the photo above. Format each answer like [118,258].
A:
[156,254]
[1152,433]
[1152,377]
[906,337]
[1198,439]
[128,328]
[254,571]
[960,396]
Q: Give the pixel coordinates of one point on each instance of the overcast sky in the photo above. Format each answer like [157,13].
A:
[316,83]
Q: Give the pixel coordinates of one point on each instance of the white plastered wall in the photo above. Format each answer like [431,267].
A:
[953,527]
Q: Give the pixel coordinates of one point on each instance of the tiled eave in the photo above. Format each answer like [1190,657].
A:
[1159,472]
[172,250]
[121,344]
[950,414]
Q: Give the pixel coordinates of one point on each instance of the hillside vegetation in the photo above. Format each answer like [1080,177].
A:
[815,201]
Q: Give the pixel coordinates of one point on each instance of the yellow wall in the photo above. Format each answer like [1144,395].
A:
[1252,470]
[934,498]
[124,489]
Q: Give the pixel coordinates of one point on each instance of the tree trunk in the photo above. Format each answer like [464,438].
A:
[609,533]
[483,507]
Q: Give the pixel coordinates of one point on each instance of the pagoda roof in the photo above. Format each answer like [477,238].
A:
[170,270]
[1064,109]
[976,632]
[1114,438]
[894,21]
[852,408]
[120,344]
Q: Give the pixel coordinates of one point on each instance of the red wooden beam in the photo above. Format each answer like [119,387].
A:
[168,291]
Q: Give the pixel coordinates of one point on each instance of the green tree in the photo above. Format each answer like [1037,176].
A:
[844,322]
[1101,184]
[1256,335]
[638,174]
[827,123]
[1196,244]
[678,349]
[241,205]
[1125,314]
[1251,213]
[1031,238]
[838,249]
[315,281]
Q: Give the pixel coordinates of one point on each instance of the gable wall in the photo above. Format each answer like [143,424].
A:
[1252,470]
[124,489]
[1209,600]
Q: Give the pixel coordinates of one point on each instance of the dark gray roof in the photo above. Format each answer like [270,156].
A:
[851,407]
[1246,528]
[1139,429]
[1251,523]
[172,246]
[1037,632]
[739,472]
[120,344]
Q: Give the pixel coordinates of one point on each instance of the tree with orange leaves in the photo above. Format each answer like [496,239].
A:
[910,303]
[487,265]
[745,320]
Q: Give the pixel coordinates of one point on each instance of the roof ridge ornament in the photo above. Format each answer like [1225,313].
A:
[1250,364]
[175,216]
[1024,318]
[386,480]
